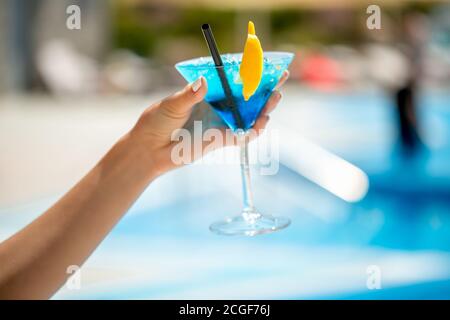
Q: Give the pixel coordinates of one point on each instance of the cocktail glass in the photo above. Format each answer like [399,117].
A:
[240,116]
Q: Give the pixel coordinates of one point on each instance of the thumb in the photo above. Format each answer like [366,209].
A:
[181,103]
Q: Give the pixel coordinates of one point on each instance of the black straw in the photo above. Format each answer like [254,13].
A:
[209,37]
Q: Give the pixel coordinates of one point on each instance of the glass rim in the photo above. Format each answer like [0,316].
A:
[283,56]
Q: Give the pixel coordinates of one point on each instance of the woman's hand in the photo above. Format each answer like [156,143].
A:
[34,261]
[157,124]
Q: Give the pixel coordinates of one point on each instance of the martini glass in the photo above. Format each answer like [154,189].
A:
[240,117]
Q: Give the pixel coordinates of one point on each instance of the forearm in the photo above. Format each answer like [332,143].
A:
[34,261]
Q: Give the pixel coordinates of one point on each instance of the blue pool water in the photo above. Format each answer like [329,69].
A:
[162,248]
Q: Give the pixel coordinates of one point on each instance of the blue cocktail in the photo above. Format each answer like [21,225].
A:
[240,116]
[274,65]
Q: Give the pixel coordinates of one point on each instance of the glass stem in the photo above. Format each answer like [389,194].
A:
[249,212]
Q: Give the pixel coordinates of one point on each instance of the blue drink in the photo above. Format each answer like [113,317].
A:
[274,65]
[240,114]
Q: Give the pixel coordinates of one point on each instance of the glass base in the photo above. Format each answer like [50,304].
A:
[249,224]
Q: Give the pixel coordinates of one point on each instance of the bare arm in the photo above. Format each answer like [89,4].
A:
[33,262]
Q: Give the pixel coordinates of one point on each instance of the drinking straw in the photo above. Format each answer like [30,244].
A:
[209,37]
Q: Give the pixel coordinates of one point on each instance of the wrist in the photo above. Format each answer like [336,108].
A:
[140,157]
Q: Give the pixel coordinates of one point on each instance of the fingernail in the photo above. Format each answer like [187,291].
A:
[278,96]
[197,84]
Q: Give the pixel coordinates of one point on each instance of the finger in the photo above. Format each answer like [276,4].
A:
[282,80]
[272,102]
[228,138]
[182,102]
[261,123]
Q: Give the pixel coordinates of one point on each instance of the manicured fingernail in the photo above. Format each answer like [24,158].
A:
[197,84]
[278,95]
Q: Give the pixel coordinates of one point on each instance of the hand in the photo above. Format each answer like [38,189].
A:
[156,125]
[71,229]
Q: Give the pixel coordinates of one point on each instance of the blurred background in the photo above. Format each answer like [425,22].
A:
[364,150]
